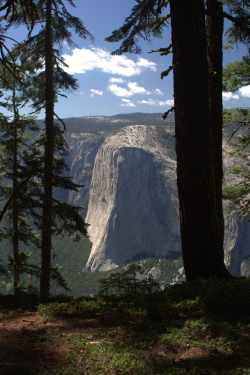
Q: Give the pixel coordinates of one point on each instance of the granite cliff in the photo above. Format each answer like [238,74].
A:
[132,208]
[127,169]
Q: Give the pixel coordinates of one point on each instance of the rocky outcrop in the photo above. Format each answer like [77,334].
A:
[83,148]
[133,193]
[132,209]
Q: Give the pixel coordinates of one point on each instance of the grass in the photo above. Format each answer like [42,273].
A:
[197,328]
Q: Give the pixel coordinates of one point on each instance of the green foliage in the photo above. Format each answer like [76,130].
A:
[78,308]
[129,282]
[19,11]
[237,116]
[235,192]
[237,74]
[124,289]
[239,192]
[226,299]
[147,18]
[106,358]
[14,12]
[204,328]
[26,76]
[69,256]
[237,12]
[18,175]
[32,51]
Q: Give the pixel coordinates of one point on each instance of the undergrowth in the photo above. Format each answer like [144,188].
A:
[194,328]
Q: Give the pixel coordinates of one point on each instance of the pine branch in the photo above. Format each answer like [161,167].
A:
[145,20]
[9,201]
[163,51]
[166,72]
[231,18]
[165,115]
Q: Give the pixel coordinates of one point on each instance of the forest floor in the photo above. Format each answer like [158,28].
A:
[182,333]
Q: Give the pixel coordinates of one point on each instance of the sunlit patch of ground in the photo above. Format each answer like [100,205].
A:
[177,333]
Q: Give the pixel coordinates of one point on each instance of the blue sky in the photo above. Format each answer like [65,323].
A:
[129,83]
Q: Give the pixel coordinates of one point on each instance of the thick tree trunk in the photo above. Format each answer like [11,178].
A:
[215,28]
[48,165]
[195,178]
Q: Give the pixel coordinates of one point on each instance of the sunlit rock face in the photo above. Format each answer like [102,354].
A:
[127,173]
[132,208]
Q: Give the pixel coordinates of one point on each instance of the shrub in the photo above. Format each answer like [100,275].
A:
[129,282]
[222,298]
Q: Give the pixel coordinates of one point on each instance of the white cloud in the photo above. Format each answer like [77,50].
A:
[95,92]
[119,91]
[147,102]
[157,103]
[168,102]
[158,92]
[116,80]
[84,60]
[136,89]
[245,91]
[147,64]
[127,103]
[230,96]
[131,89]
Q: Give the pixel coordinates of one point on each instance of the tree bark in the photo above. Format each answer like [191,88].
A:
[48,163]
[195,178]
[215,30]
[15,234]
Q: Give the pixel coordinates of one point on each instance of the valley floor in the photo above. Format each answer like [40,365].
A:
[176,335]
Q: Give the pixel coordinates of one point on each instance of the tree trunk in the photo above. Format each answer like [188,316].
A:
[48,163]
[15,236]
[196,188]
[215,28]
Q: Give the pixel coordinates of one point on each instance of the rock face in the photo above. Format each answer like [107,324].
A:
[83,148]
[132,208]
[127,173]
[237,243]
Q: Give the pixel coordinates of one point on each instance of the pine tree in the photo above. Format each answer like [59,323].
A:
[14,12]
[238,13]
[202,236]
[202,250]
[56,26]
[16,146]
[49,154]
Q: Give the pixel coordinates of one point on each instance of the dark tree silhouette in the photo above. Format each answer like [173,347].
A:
[196,173]
[198,145]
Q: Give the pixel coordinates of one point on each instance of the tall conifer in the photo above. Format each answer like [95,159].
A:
[57,27]
[202,234]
